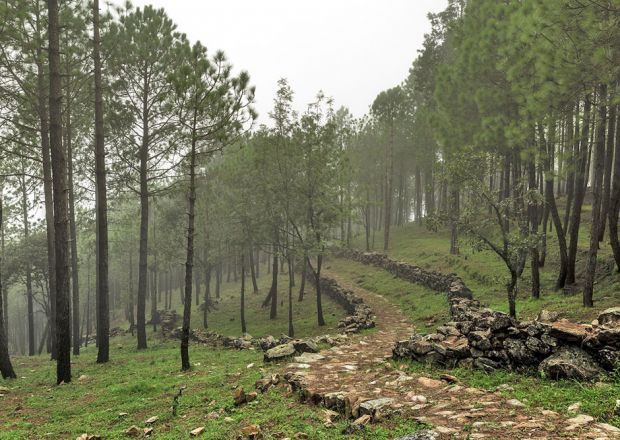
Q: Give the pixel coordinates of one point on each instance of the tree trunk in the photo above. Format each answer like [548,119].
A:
[534,254]
[6,368]
[291,330]
[609,160]
[597,190]
[103,288]
[253,271]
[614,205]
[29,294]
[205,322]
[144,232]
[454,234]
[189,262]
[304,273]
[75,282]
[59,172]
[48,194]
[579,191]
[242,305]
[512,294]
[319,305]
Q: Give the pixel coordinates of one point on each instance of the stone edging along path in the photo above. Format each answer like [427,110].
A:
[357,381]
[451,283]
[483,338]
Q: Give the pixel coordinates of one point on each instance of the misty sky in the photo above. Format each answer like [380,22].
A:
[350,49]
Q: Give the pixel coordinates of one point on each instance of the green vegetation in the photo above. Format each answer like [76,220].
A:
[598,400]
[485,274]
[143,384]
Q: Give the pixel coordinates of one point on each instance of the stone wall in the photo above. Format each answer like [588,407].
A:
[359,316]
[451,283]
[479,337]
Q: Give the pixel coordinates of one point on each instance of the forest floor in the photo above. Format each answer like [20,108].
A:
[137,385]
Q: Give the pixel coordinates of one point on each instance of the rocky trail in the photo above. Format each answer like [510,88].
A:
[359,382]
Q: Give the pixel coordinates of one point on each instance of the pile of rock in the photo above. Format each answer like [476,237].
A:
[482,338]
[168,320]
[360,315]
[117,331]
[290,349]
[451,283]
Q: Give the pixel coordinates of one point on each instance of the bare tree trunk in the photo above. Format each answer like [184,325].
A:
[103,288]
[75,282]
[189,262]
[291,330]
[242,305]
[48,192]
[144,232]
[609,160]
[580,183]
[597,190]
[614,206]
[205,322]
[6,368]
[454,236]
[253,271]
[319,305]
[29,295]
[534,254]
[304,273]
[59,171]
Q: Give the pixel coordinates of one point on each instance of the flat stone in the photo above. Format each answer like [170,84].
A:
[370,407]
[308,358]
[516,403]
[427,382]
[280,352]
[609,316]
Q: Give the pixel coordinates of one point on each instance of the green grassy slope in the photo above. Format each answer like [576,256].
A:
[143,384]
[486,274]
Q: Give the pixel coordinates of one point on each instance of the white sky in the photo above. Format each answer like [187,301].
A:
[350,49]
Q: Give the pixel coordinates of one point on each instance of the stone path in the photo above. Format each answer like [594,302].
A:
[357,380]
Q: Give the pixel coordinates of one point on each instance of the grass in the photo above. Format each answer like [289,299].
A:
[143,384]
[598,400]
[226,318]
[425,307]
[487,275]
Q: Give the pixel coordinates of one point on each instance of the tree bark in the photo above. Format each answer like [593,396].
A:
[253,271]
[609,160]
[304,273]
[48,193]
[29,294]
[102,295]
[6,368]
[75,283]
[534,254]
[242,305]
[614,205]
[597,190]
[319,305]
[579,191]
[291,330]
[59,172]
[189,262]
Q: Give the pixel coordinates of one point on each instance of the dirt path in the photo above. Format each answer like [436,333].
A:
[357,379]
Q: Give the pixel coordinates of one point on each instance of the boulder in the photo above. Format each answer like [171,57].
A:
[571,363]
[610,317]
[280,352]
[547,316]
[567,331]
[519,353]
[305,346]
[608,358]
